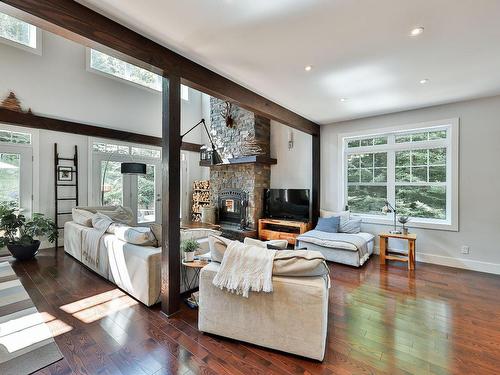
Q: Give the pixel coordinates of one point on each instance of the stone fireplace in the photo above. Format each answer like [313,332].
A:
[240,173]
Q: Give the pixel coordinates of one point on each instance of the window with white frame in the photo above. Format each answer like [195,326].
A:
[112,66]
[16,32]
[414,169]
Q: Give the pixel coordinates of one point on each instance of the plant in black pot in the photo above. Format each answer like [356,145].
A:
[18,233]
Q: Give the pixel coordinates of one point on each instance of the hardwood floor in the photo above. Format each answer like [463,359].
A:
[437,320]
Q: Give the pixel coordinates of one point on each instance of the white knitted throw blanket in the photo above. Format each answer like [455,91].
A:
[245,268]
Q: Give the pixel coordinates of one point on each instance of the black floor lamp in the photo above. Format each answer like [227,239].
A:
[216,158]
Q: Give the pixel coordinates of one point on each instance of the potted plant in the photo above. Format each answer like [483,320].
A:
[189,248]
[403,220]
[18,232]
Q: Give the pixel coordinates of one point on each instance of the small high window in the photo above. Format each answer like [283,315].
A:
[103,63]
[19,33]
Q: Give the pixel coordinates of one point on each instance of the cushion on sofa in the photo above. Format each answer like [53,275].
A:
[328,224]
[344,215]
[142,236]
[218,247]
[352,226]
[156,229]
[82,217]
[299,263]
[119,214]
[271,244]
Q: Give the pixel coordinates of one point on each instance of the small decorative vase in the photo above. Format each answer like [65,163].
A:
[189,256]
[405,231]
[24,252]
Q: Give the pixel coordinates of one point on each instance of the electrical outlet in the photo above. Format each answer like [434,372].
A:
[465,249]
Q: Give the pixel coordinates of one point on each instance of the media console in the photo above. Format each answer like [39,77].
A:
[273,229]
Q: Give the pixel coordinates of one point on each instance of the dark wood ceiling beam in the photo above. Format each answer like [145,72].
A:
[27,120]
[75,21]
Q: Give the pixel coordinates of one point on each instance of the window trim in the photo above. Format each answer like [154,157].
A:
[37,50]
[452,170]
[89,68]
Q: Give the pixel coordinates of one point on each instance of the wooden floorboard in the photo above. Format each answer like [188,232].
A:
[382,320]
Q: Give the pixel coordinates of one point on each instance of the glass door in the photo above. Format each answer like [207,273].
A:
[149,195]
[16,177]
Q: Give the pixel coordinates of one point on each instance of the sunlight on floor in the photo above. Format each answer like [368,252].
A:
[17,334]
[93,308]
[95,300]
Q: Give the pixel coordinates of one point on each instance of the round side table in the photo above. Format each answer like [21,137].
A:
[196,265]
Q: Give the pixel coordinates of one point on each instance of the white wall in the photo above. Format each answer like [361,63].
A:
[294,168]
[57,84]
[479,186]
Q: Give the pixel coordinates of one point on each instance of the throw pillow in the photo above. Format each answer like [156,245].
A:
[120,215]
[299,263]
[156,229]
[344,215]
[218,246]
[82,217]
[142,236]
[330,224]
[352,226]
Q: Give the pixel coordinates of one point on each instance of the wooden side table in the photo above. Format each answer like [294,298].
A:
[386,254]
[195,265]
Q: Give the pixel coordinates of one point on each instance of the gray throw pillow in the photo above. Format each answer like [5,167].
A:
[351,226]
[328,224]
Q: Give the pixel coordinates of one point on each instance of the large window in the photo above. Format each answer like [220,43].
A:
[413,168]
[16,32]
[103,63]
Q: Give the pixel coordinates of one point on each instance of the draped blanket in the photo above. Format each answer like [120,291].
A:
[245,268]
[91,239]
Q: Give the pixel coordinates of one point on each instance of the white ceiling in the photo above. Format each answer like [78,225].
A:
[360,50]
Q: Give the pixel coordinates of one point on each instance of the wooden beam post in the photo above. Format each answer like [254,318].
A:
[171,156]
[316,177]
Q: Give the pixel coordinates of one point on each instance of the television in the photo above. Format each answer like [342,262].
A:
[291,204]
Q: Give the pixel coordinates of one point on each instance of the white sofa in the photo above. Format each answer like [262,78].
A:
[293,318]
[135,269]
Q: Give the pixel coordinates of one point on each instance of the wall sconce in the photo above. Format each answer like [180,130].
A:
[290,140]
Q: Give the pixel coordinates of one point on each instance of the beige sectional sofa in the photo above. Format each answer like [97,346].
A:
[134,268]
[293,318]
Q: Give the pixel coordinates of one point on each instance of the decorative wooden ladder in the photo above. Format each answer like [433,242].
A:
[73,183]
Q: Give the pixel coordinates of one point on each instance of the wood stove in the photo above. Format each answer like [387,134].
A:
[232,207]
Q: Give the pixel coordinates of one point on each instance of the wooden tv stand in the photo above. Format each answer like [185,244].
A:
[273,229]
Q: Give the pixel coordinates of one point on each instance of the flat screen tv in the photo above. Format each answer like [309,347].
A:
[291,204]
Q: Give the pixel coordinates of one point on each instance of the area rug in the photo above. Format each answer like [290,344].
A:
[26,343]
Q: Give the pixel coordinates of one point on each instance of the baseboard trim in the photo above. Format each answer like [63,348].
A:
[466,264]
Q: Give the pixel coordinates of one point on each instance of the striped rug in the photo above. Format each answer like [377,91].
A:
[26,343]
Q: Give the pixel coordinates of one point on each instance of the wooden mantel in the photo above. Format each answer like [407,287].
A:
[252,159]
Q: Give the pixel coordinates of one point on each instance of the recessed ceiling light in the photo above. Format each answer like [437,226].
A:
[417,31]
[424,81]
[343,99]
[308,68]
